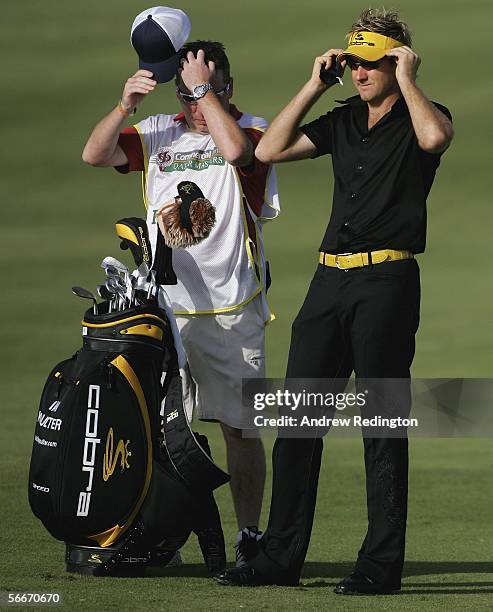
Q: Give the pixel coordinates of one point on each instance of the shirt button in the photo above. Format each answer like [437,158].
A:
[359,167]
[346,224]
[365,139]
[354,196]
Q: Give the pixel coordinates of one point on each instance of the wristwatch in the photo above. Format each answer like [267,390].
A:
[200,90]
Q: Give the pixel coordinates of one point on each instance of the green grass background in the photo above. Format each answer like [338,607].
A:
[64,65]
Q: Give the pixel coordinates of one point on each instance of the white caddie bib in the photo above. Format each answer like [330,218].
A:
[225,271]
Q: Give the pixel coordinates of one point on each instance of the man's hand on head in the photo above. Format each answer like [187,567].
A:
[407,64]
[137,88]
[195,71]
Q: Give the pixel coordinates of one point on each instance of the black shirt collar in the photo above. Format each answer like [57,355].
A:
[356,101]
[353,101]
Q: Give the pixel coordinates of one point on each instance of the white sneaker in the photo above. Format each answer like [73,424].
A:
[246,544]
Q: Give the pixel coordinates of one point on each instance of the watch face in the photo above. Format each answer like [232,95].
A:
[201,90]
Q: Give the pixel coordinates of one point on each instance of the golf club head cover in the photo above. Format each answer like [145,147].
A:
[134,236]
[189,219]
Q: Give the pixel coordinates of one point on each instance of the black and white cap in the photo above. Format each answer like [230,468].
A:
[157,35]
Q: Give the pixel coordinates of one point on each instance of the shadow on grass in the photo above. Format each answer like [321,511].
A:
[336,571]
[413,568]
[340,569]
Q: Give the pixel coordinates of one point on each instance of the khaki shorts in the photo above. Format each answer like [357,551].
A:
[221,350]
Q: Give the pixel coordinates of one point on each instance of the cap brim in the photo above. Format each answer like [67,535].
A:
[163,71]
[368,54]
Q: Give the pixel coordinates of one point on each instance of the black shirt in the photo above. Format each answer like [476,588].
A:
[381,178]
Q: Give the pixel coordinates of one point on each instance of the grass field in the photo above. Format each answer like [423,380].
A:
[64,67]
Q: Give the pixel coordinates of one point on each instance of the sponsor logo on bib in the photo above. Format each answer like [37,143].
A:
[179,161]
[164,157]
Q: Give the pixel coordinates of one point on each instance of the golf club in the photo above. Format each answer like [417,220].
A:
[85,293]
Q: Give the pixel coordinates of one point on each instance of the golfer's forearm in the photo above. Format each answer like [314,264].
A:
[229,138]
[283,131]
[432,128]
[102,146]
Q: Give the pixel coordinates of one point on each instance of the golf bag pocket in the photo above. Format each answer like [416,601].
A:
[92,453]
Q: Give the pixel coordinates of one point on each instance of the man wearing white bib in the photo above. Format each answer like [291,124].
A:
[219,300]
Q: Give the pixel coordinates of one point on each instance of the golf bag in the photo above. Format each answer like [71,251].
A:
[123,486]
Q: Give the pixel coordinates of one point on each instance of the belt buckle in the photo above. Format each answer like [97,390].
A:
[337,262]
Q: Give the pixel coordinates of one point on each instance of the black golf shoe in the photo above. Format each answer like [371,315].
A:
[359,584]
[240,576]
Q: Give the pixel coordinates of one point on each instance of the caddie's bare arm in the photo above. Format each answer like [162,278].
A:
[283,140]
[102,147]
[433,129]
[230,139]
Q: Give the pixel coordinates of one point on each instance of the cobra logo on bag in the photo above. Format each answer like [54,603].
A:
[90,444]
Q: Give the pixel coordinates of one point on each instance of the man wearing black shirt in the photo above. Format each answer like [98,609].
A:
[361,312]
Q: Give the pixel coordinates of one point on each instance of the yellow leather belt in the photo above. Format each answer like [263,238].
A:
[344,261]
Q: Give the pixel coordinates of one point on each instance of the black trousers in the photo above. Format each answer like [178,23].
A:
[363,319]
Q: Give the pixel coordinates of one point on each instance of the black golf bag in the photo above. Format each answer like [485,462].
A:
[122,485]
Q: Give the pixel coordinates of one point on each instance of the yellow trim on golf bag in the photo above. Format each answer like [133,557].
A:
[106,538]
[119,322]
[151,331]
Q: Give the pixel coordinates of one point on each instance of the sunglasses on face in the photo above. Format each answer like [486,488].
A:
[355,63]
[189,99]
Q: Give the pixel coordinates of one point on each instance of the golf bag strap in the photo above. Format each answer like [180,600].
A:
[191,461]
[171,367]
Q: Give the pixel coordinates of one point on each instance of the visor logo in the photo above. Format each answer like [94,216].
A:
[358,40]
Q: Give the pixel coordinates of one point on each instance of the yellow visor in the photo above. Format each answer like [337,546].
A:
[369,46]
